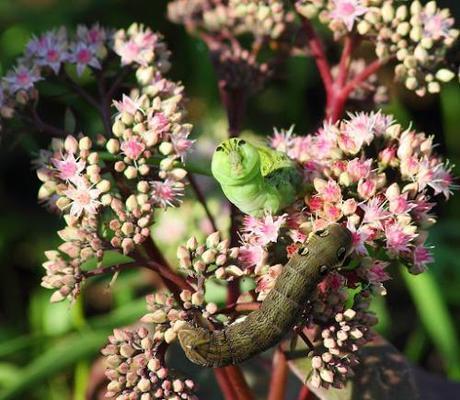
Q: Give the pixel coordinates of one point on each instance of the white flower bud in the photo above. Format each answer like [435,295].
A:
[130,172]
[445,75]
[85,143]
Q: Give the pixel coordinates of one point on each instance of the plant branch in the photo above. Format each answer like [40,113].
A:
[42,126]
[240,386]
[279,376]
[202,200]
[109,270]
[345,60]
[305,393]
[224,384]
[117,82]
[317,51]
[78,89]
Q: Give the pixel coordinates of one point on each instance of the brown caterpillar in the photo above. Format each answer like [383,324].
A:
[280,310]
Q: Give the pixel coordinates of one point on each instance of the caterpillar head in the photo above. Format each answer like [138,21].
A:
[330,246]
[235,162]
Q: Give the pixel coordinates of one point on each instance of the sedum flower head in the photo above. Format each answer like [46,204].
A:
[136,369]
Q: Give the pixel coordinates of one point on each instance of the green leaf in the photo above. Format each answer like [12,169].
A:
[110,258]
[72,349]
[433,313]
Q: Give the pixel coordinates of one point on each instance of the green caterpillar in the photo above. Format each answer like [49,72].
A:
[255,179]
[280,310]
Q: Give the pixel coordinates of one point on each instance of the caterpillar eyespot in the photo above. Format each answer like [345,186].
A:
[278,313]
[303,251]
[256,179]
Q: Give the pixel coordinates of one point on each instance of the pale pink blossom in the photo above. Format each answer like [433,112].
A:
[83,198]
[132,148]
[181,144]
[358,169]
[159,123]
[128,105]
[361,128]
[376,272]
[266,229]
[436,26]
[374,212]
[441,180]
[22,78]
[83,56]
[360,236]
[367,188]
[421,256]
[166,193]
[347,11]
[328,190]
[281,139]
[69,167]
[399,238]
[251,255]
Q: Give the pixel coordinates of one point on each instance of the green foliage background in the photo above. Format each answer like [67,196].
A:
[47,351]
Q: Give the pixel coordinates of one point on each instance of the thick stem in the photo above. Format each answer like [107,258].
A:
[234,101]
[318,53]
[224,384]
[279,376]
[44,127]
[109,270]
[202,200]
[345,61]
[240,386]
[79,90]
[305,393]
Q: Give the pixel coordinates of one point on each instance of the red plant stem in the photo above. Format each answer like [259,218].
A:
[238,382]
[337,105]
[305,393]
[318,53]
[224,384]
[279,376]
[202,200]
[365,74]
[345,60]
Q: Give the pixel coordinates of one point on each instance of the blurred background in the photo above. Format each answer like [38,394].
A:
[48,351]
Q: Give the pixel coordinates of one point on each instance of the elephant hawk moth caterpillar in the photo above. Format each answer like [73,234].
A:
[280,310]
[256,179]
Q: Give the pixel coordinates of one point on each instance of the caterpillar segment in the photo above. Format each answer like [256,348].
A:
[279,312]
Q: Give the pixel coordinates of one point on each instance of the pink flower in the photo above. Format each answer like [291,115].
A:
[376,272]
[21,78]
[358,169]
[83,56]
[348,143]
[367,188]
[347,11]
[301,148]
[374,212]
[159,123]
[361,128]
[329,190]
[360,236]
[281,139]
[441,180]
[400,204]
[69,167]
[251,256]
[387,156]
[128,105]
[398,237]
[331,212]
[266,229]
[436,26]
[83,198]
[421,256]
[181,144]
[94,36]
[132,148]
[166,193]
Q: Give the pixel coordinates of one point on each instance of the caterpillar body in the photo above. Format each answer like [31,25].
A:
[255,179]
[280,310]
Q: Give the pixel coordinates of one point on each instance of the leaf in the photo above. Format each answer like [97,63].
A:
[73,348]
[110,258]
[435,317]
[383,374]
[70,122]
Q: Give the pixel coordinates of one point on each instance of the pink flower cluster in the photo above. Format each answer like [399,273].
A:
[377,178]
[108,199]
